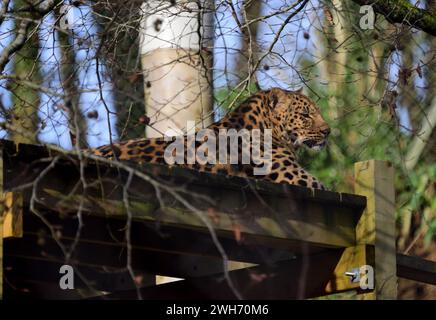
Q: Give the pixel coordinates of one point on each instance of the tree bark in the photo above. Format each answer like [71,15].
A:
[177,65]
[76,121]
[25,100]
[248,55]
[121,55]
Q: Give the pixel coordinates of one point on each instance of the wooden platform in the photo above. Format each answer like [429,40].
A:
[178,223]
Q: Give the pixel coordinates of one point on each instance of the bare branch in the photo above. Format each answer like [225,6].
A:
[16,44]
[402,11]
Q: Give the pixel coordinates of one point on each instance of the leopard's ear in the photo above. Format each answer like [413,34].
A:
[274,93]
[277,99]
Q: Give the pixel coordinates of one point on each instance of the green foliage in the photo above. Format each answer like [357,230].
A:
[417,196]
[353,100]
[231,98]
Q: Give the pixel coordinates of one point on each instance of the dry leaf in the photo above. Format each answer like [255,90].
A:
[419,71]
[135,77]
[329,16]
[404,75]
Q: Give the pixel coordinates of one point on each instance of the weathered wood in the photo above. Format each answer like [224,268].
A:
[23,272]
[108,257]
[150,245]
[351,258]
[280,280]
[322,225]
[415,268]
[254,221]
[375,180]
[256,209]
[13,214]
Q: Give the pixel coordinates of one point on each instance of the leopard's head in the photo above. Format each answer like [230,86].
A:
[298,120]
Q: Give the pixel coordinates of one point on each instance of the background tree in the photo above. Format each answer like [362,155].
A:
[119,25]
[25,79]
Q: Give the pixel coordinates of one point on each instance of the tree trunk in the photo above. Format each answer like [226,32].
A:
[249,52]
[76,121]
[25,100]
[120,51]
[177,65]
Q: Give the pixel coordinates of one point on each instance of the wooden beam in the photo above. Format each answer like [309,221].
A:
[375,180]
[165,239]
[312,223]
[110,257]
[280,280]
[21,272]
[416,268]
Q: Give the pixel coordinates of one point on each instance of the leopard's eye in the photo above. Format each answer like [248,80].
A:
[305,114]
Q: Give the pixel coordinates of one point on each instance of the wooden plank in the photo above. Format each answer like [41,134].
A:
[280,280]
[415,268]
[110,257]
[375,180]
[21,164]
[13,214]
[150,245]
[22,271]
[311,223]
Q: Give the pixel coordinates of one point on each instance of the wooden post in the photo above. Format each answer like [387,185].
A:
[375,180]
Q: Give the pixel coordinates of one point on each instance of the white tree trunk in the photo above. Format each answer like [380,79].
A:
[176,55]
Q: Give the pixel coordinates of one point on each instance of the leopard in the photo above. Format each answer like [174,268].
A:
[293,119]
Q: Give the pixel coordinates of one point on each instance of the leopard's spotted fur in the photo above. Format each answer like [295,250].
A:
[294,119]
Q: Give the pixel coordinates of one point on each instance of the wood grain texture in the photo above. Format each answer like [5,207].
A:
[12,215]
[375,180]
[254,221]
[278,280]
